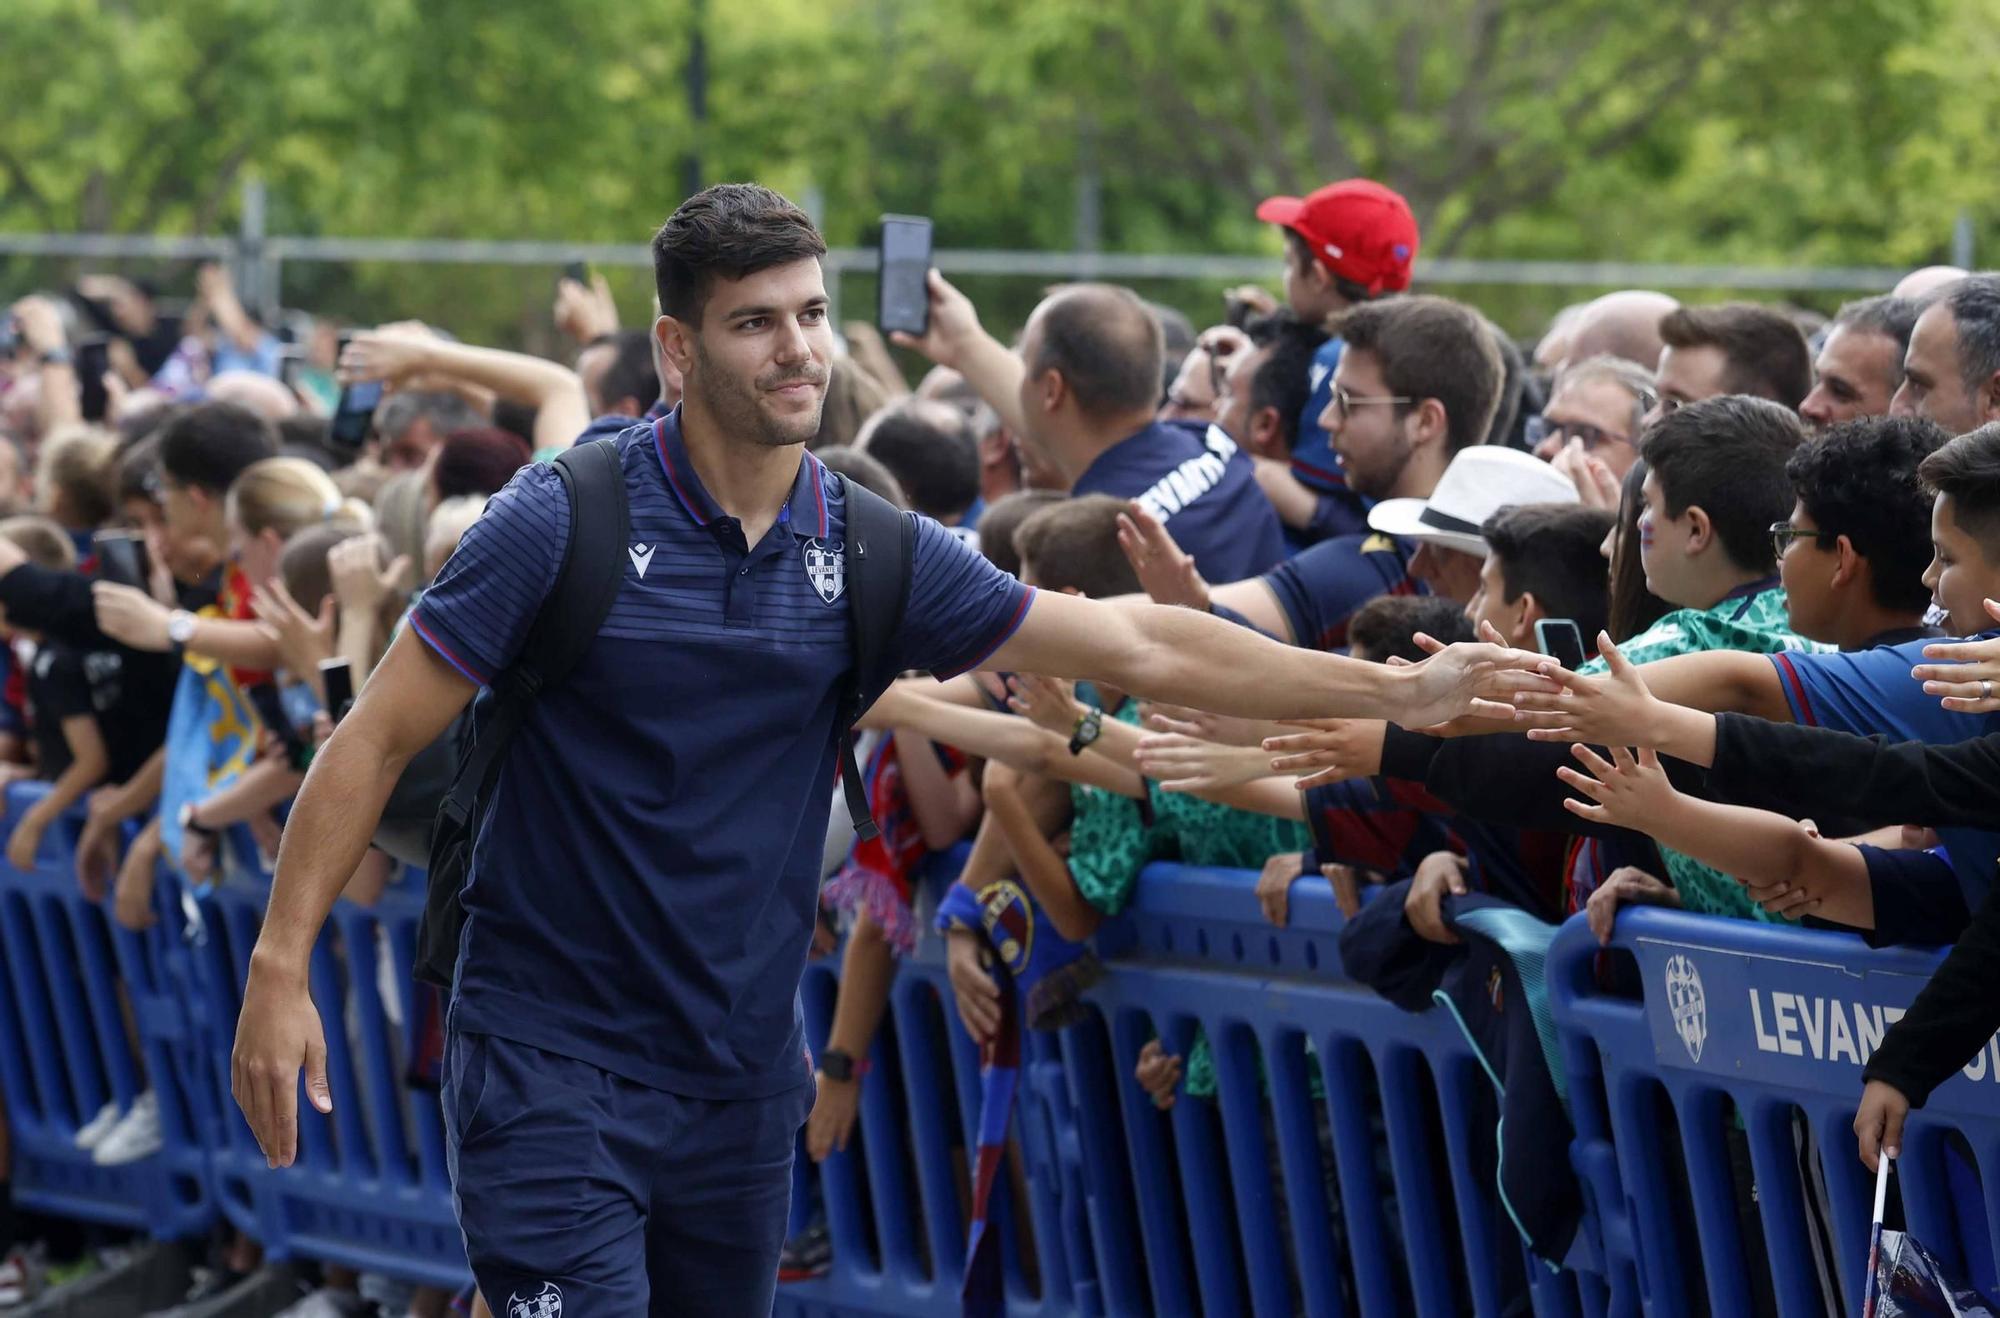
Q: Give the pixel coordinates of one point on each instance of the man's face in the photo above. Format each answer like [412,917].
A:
[760,361]
[591,364]
[1599,414]
[1489,604]
[1688,375]
[1450,573]
[1664,549]
[1032,443]
[413,448]
[1372,439]
[1806,569]
[1857,372]
[1960,576]
[1933,385]
[1232,405]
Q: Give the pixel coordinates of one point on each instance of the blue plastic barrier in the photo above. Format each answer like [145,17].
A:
[65,1050]
[1752,1027]
[369,1188]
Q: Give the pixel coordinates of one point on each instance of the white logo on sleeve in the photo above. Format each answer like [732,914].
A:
[1688,1004]
[547,1303]
[642,558]
[826,568]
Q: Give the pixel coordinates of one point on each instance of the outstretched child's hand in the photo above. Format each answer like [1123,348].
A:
[1158,1073]
[1617,709]
[1630,792]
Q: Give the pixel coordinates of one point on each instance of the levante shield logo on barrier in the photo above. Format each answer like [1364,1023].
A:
[826,568]
[1688,1004]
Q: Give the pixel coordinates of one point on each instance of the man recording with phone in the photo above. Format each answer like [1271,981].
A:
[626,1072]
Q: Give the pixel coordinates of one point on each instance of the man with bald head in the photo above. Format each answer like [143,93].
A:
[261,394]
[1081,395]
[1922,283]
[1624,324]
[1951,374]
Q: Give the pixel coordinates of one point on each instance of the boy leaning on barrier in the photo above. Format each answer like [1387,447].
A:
[1753,763]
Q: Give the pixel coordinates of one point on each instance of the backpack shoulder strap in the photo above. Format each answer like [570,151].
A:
[881,545]
[593,476]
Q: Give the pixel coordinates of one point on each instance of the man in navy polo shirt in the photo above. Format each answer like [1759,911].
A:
[625,1066]
[1082,394]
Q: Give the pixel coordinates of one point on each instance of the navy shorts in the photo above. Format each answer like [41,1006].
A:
[583,1193]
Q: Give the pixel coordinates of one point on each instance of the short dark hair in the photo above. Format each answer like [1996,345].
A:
[1975,311]
[1968,469]
[1283,380]
[1305,258]
[1073,545]
[1859,479]
[1106,346]
[304,435]
[631,373]
[139,471]
[1387,626]
[930,449]
[1003,517]
[1727,457]
[1550,550]
[1892,317]
[1177,340]
[727,231]
[478,460]
[302,564]
[208,446]
[444,410]
[1432,347]
[1767,355]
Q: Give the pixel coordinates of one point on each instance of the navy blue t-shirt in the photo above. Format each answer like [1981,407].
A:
[1205,490]
[1340,510]
[643,887]
[1870,693]
[1321,588]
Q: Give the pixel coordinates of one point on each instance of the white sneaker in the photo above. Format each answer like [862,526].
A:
[20,1279]
[99,1126]
[137,1136]
[325,1303]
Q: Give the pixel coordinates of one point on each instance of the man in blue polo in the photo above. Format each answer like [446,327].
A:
[625,1065]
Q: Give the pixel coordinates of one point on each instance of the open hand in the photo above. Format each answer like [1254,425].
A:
[1165,570]
[1181,763]
[1049,703]
[1965,673]
[1630,791]
[1333,750]
[1617,709]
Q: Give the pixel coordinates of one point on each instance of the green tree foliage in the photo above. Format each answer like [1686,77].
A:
[1843,131]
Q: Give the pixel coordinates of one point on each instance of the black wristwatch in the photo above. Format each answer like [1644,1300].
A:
[188,824]
[1089,726]
[838,1065]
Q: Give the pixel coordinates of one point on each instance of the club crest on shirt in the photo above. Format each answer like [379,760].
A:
[826,568]
[546,1303]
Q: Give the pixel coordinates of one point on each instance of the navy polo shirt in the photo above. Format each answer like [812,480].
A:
[642,889]
[1321,588]
[1870,693]
[1202,486]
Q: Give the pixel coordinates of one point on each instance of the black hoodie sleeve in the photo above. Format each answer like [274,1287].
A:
[1817,771]
[55,603]
[1951,1020]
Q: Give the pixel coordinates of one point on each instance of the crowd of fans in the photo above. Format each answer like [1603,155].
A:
[1731,509]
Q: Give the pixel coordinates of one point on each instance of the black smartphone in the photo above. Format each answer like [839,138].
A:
[354,414]
[1562,641]
[579,271]
[338,680]
[905,302]
[93,361]
[121,558]
[291,361]
[270,707]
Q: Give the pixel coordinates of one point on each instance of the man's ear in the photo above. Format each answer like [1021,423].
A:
[676,340]
[1267,434]
[1431,425]
[1532,612]
[1052,389]
[1701,530]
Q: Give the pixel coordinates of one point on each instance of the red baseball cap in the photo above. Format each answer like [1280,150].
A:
[1358,229]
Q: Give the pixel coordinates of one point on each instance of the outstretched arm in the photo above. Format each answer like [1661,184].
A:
[1188,658]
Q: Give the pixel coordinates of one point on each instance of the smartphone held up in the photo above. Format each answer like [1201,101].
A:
[905,301]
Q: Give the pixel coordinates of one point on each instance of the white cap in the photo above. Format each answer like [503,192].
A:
[1480,481]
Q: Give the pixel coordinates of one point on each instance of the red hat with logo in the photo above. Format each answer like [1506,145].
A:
[1358,229]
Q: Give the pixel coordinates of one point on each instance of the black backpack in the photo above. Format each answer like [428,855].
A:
[881,541]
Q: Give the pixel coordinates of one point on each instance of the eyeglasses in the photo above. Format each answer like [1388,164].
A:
[1344,401]
[1541,429]
[1784,535]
